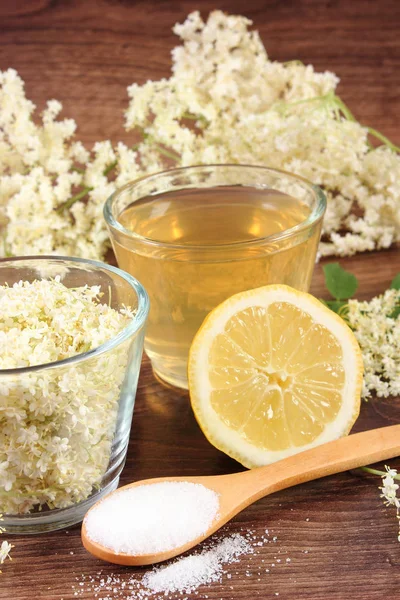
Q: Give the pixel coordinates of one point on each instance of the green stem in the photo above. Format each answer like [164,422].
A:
[190,116]
[74,199]
[193,117]
[383,139]
[304,101]
[149,139]
[85,190]
[350,117]
[336,103]
[344,108]
[78,170]
[168,153]
[332,100]
[110,167]
[377,472]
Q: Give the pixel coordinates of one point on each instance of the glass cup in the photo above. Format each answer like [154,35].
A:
[195,236]
[64,426]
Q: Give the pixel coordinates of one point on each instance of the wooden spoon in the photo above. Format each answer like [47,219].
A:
[239,490]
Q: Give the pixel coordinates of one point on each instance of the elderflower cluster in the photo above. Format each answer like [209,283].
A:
[389,492]
[52,190]
[56,423]
[225,102]
[376,325]
[248,109]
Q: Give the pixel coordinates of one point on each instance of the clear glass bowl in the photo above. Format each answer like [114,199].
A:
[86,420]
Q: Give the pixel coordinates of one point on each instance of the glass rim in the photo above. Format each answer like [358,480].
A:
[315,215]
[133,326]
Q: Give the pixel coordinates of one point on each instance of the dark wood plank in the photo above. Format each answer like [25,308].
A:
[86,53]
[340,539]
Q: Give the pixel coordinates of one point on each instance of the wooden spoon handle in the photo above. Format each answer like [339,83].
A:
[334,457]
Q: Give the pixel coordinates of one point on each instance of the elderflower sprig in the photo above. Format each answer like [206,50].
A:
[389,488]
[283,115]
[52,189]
[376,325]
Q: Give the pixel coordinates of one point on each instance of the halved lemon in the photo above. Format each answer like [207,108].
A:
[273,372]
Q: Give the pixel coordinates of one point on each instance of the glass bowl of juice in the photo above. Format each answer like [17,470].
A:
[196,235]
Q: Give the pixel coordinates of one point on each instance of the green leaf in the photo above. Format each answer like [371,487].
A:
[395,313]
[340,283]
[395,285]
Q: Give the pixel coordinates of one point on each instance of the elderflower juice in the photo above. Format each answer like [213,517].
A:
[196,236]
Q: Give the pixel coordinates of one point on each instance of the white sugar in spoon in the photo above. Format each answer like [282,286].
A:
[239,490]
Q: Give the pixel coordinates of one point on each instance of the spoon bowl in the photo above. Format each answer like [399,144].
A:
[239,490]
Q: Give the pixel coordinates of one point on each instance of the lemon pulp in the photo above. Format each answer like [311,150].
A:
[272,390]
[272,372]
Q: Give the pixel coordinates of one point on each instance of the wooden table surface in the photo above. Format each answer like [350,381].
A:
[340,539]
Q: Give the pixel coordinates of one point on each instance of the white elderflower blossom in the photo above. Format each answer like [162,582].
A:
[376,325]
[5,550]
[52,189]
[389,488]
[389,491]
[225,101]
[56,425]
[248,109]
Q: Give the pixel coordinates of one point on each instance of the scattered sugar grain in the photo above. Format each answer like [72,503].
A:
[187,574]
[183,576]
[152,518]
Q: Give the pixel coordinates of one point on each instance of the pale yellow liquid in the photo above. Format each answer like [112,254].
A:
[186,282]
